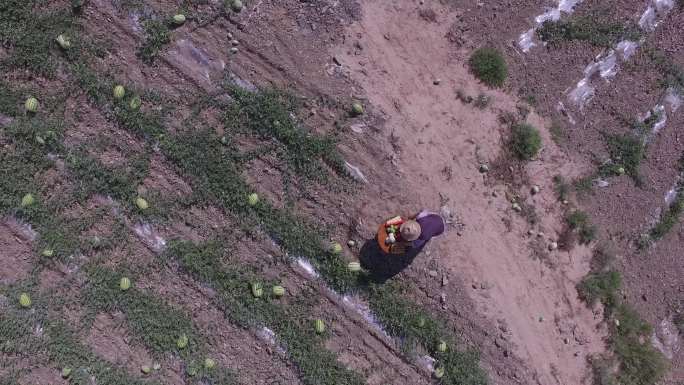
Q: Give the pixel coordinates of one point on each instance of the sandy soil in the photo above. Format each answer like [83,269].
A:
[401,58]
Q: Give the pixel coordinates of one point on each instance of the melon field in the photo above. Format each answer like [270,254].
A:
[190,192]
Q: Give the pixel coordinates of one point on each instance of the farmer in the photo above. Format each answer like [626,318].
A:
[398,242]
[420,228]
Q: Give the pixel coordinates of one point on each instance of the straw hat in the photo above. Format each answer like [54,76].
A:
[410,230]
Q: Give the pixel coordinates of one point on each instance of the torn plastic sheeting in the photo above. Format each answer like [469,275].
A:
[5,120]
[364,311]
[601,182]
[355,172]
[582,93]
[606,65]
[267,335]
[673,98]
[627,48]
[671,195]
[150,237]
[242,83]
[665,338]
[307,266]
[662,120]
[21,228]
[654,14]
[525,41]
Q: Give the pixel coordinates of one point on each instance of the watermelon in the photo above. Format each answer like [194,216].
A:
[335,248]
[278,291]
[142,203]
[179,19]
[357,109]
[257,290]
[145,369]
[119,92]
[135,103]
[66,372]
[63,42]
[27,200]
[31,104]
[421,322]
[354,267]
[182,342]
[394,221]
[47,253]
[439,372]
[124,284]
[209,363]
[25,300]
[319,326]
[253,199]
[236,6]
[441,347]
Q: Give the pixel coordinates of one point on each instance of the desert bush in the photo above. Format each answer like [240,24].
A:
[525,141]
[579,221]
[600,287]
[489,66]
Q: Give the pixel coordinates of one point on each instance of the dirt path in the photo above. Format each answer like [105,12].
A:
[396,56]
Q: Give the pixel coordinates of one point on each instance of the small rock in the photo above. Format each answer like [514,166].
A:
[234,43]
[484,168]
[553,246]
[234,50]
[565,201]
[474,285]
[540,234]
[437,82]
[530,232]
[516,207]
[566,341]
[495,194]
[351,243]
[535,190]
[577,354]
[432,273]
[445,280]
[442,297]
[541,319]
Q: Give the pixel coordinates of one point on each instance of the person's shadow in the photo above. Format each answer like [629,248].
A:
[382,266]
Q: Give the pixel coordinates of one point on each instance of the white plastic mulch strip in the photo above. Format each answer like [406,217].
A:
[606,64]
[671,194]
[352,302]
[673,98]
[654,14]
[21,228]
[307,266]
[268,336]
[150,237]
[526,39]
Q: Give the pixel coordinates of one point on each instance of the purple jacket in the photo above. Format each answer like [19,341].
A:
[431,225]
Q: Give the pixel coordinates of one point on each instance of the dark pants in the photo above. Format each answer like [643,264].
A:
[383,266]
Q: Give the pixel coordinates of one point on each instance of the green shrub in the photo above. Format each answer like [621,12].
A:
[525,141]
[600,287]
[640,363]
[489,66]
[579,221]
